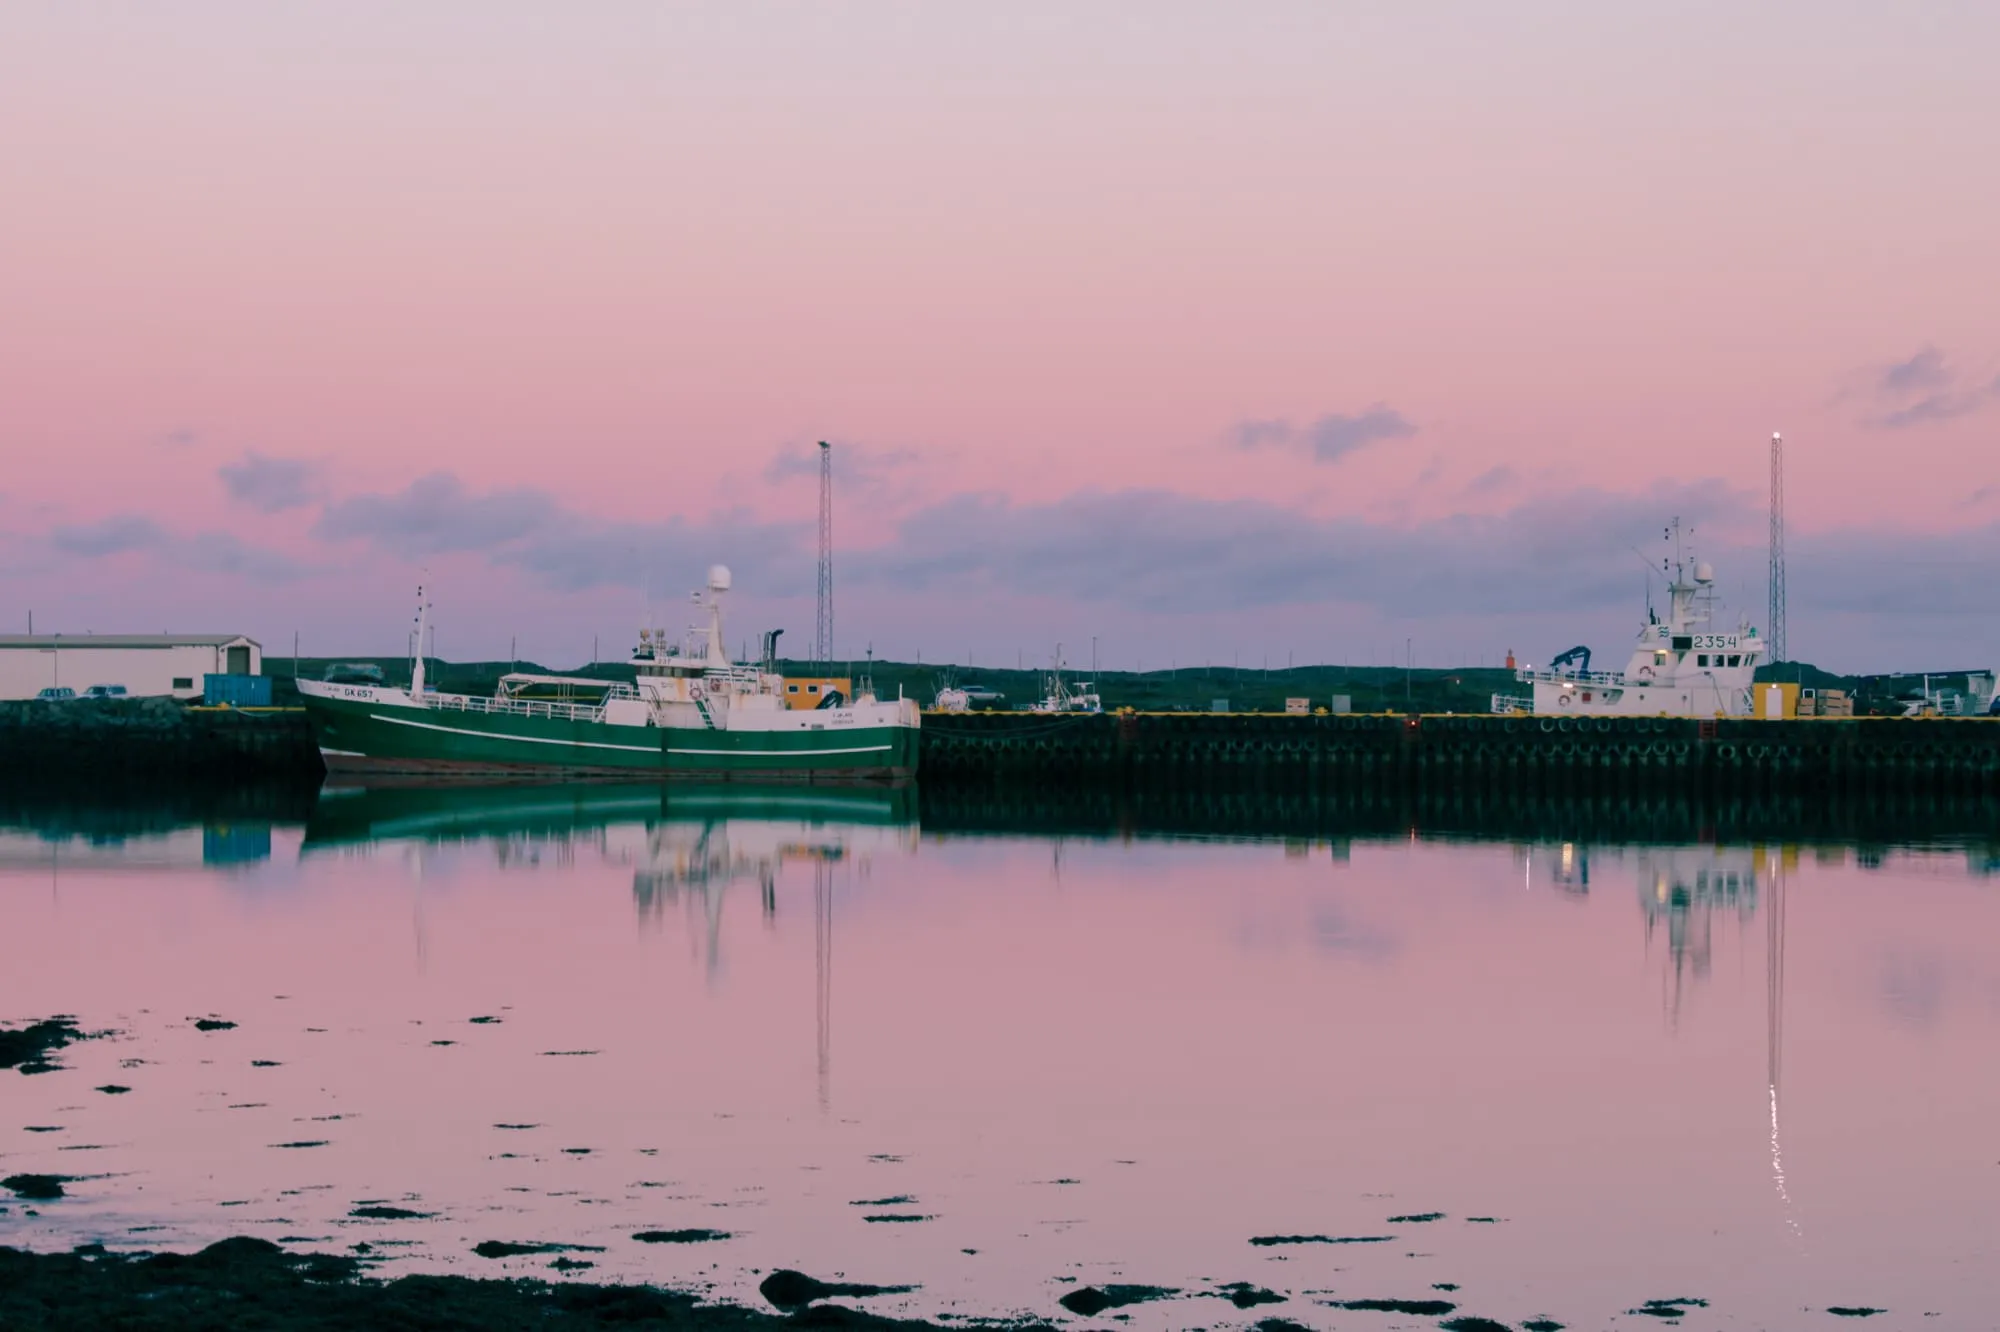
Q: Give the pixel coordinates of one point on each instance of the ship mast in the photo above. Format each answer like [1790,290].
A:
[417,669]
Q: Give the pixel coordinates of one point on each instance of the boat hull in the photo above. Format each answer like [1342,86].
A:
[364,735]
[1620,698]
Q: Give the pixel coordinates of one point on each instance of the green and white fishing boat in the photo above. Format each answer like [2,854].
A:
[690,713]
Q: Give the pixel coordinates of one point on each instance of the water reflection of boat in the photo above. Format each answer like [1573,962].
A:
[1683,888]
[348,817]
[685,845]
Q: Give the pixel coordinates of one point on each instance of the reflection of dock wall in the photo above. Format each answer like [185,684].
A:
[1543,754]
[1338,813]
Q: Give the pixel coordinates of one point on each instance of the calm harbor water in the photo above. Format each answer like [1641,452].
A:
[1534,1076]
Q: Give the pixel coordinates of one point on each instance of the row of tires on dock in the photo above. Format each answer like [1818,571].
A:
[1539,750]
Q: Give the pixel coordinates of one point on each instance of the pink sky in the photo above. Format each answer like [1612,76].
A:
[1581,261]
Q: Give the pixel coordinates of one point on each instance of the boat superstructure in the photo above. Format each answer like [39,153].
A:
[689,712]
[1681,666]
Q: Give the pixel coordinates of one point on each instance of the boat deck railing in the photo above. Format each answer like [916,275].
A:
[1571,677]
[519,707]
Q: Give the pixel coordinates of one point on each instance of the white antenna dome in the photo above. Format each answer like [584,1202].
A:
[718,578]
[1704,573]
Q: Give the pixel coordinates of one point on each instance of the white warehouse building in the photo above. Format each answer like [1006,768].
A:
[146,664]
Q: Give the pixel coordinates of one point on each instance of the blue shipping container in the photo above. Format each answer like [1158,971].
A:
[236,691]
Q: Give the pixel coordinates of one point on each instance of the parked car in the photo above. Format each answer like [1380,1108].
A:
[105,691]
[55,694]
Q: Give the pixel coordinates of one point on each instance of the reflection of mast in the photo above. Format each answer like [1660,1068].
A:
[1774,1022]
[712,892]
[823,969]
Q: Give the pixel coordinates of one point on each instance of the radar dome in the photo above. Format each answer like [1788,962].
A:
[1703,573]
[718,577]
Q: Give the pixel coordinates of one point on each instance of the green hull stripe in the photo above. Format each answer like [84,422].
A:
[530,739]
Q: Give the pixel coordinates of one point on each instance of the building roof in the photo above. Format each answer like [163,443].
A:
[124,640]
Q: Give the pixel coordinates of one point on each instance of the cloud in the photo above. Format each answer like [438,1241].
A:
[877,474]
[1925,370]
[1263,434]
[1493,480]
[1941,407]
[528,529]
[201,552]
[1169,553]
[110,536]
[271,485]
[178,439]
[768,558]
[1330,438]
[437,515]
[1926,390]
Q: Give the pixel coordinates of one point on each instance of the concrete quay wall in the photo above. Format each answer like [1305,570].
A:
[151,739]
[1533,754]
[158,738]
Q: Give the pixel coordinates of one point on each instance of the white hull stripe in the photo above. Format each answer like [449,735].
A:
[636,749]
[780,753]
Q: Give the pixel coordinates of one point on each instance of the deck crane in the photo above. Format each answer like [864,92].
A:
[1578,656]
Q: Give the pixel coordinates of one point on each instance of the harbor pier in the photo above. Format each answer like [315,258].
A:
[149,739]
[1518,754]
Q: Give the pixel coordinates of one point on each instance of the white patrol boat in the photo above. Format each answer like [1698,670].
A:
[1680,667]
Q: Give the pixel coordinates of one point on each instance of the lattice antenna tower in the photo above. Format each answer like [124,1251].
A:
[823,626]
[1774,628]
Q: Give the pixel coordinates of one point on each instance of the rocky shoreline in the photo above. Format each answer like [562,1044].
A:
[246,1283]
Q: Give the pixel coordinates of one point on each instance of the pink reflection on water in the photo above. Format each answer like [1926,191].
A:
[1088,1059]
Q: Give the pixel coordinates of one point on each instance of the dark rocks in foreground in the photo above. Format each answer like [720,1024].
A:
[242,1284]
[32,1048]
[793,1291]
[1093,1300]
[1246,1296]
[1418,1308]
[35,1188]
[508,1249]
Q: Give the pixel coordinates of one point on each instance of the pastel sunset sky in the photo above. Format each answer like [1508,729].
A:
[1257,331]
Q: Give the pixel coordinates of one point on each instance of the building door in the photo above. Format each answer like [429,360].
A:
[239,661]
